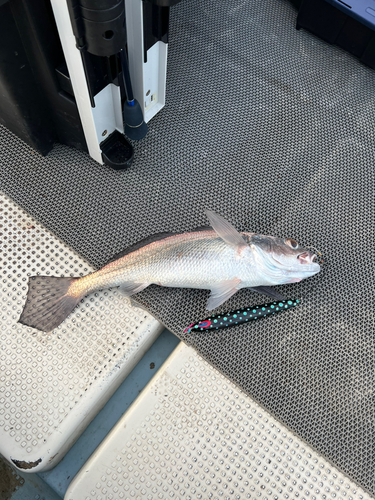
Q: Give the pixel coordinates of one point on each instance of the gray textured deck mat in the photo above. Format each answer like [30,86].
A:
[273,129]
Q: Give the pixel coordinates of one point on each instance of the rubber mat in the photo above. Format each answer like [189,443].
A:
[273,129]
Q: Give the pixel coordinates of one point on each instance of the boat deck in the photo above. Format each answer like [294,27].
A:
[268,126]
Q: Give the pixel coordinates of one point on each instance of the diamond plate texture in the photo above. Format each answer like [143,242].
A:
[273,129]
[194,434]
[52,385]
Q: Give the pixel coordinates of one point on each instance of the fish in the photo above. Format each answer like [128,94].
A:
[216,258]
[240,316]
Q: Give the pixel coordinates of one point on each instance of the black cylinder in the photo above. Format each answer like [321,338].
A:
[104,26]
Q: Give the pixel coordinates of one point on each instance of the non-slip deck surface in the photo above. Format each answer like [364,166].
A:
[273,129]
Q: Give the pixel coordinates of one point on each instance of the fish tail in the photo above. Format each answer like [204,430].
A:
[49,301]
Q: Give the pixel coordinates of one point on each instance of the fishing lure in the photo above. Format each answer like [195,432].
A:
[241,316]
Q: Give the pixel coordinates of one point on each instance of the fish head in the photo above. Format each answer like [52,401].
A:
[282,260]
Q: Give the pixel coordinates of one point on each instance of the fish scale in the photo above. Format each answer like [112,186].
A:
[194,260]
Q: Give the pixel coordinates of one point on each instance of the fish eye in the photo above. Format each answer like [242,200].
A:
[292,243]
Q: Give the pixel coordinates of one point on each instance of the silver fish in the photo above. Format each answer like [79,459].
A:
[219,259]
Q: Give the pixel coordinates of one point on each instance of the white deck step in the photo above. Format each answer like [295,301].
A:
[192,434]
[52,385]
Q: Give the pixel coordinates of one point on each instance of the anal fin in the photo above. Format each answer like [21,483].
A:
[137,305]
[128,289]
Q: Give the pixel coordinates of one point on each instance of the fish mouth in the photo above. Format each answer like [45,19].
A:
[307,266]
[306,263]
[307,258]
[302,265]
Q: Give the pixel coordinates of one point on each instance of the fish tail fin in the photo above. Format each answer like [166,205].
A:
[49,301]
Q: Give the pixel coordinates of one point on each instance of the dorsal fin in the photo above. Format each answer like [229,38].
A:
[225,230]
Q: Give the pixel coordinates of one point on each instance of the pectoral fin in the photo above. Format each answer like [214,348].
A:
[225,230]
[131,288]
[267,290]
[222,291]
